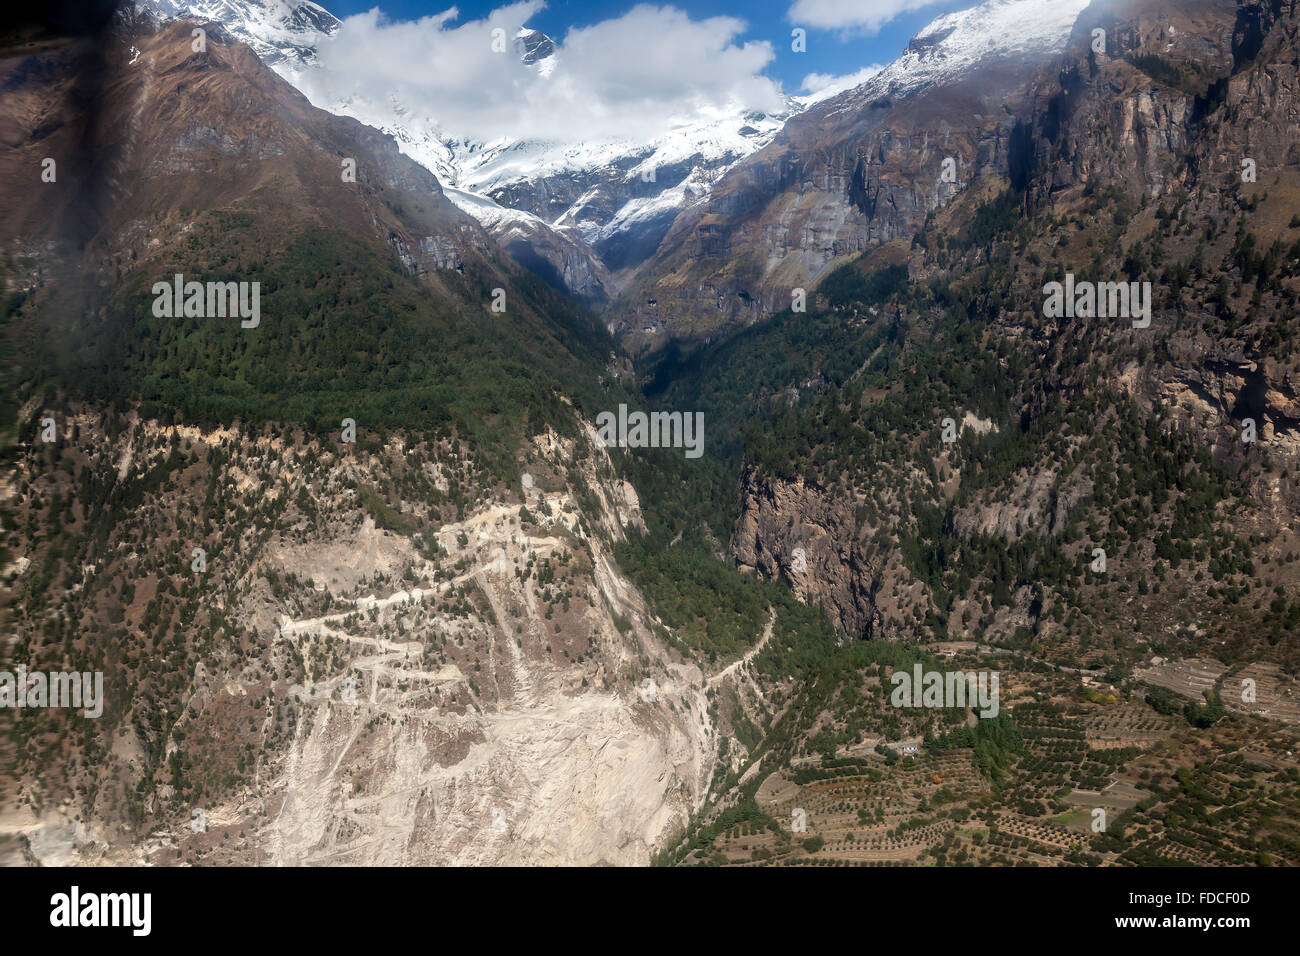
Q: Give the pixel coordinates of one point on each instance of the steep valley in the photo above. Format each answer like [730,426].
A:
[366,586]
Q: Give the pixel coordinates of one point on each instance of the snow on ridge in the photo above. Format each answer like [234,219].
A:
[716,138]
[284,33]
[954,42]
[276,30]
[491,214]
[693,189]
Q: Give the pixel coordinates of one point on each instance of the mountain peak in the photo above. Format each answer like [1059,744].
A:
[952,43]
[534,46]
[276,30]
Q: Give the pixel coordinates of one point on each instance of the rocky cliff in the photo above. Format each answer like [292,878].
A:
[848,174]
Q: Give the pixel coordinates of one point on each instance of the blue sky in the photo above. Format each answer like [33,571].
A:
[832,50]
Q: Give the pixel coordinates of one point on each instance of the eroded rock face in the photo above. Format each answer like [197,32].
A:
[474,693]
[1037,503]
[806,536]
[562,768]
[1190,109]
[563,262]
[1126,115]
[549,778]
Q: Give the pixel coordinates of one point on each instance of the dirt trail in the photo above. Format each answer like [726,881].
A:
[749,655]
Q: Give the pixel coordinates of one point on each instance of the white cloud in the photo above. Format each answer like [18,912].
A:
[633,76]
[859,16]
[821,86]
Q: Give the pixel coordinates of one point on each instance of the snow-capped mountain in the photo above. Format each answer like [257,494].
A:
[557,254]
[610,200]
[855,171]
[619,195]
[953,43]
[279,31]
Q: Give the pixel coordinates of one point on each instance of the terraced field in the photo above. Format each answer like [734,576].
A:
[1084,777]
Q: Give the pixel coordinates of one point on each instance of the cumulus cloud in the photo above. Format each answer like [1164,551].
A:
[858,16]
[633,76]
[820,86]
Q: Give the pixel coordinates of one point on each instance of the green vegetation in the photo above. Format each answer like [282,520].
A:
[345,332]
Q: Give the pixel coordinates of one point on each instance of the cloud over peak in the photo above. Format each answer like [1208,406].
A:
[634,76]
